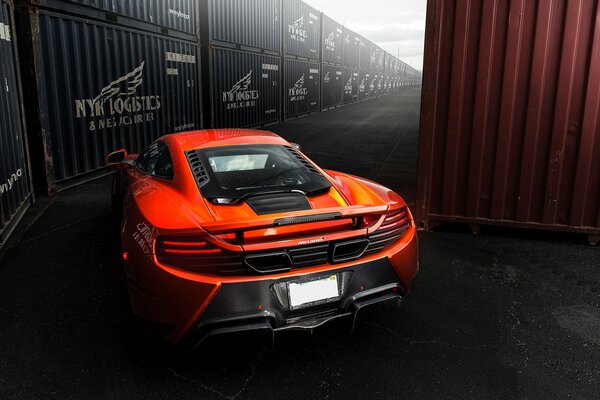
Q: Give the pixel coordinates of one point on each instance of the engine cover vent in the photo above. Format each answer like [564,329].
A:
[279,202]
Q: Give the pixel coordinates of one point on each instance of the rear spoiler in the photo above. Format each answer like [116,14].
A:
[300,217]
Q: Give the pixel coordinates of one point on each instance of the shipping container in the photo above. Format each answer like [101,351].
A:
[246,25]
[332,41]
[332,86]
[510,122]
[387,84]
[377,84]
[177,15]
[351,85]
[301,89]
[364,87]
[15,190]
[376,58]
[301,30]
[243,88]
[387,61]
[351,54]
[365,54]
[93,88]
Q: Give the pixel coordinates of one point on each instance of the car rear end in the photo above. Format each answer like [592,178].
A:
[286,246]
[217,282]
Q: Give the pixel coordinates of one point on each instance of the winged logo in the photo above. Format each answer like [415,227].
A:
[124,86]
[330,37]
[242,84]
[298,24]
[300,83]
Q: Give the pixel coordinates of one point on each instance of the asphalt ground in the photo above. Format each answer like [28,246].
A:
[502,315]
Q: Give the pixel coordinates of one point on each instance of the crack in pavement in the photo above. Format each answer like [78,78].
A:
[211,389]
[251,376]
[415,342]
[514,336]
[198,383]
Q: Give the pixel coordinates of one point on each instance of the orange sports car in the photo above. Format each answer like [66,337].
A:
[231,230]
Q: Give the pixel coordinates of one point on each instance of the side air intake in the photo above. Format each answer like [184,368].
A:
[200,175]
[301,158]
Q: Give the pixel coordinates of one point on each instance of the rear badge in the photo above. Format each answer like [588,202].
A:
[312,241]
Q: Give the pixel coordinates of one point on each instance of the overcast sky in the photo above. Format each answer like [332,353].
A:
[398,26]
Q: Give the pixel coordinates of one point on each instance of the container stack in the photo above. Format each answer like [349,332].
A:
[241,49]
[377,59]
[15,192]
[351,61]
[332,50]
[104,77]
[301,58]
[364,72]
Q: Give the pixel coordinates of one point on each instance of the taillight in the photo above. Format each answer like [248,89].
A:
[391,230]
[197,255]
[180,247]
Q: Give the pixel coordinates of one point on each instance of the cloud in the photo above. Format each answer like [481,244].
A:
[396,26]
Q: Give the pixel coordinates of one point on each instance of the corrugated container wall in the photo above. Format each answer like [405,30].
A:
[245,88]
[301,90]
[351,48]
[510,122]
[332,86]
[376,58]
[100,88]
[243,24]
[332,41]
[14,182]
[179,15]
[301,29]
[351,85]
[365,54]
[364,88]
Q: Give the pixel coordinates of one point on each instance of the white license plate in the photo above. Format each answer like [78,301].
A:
[317,291]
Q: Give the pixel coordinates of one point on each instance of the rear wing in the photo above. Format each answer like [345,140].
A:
[299,217]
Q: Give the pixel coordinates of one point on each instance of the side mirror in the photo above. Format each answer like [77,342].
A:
[116,157]
[296,146]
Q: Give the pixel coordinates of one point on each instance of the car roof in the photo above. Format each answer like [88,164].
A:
[223,137]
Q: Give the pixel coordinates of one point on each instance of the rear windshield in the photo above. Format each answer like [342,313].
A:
[239,171]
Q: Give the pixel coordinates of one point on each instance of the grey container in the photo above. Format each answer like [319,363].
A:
[301,87]
[14,183]
[387,84]
[364,85]
[351,85]
[244,89]
[387,61]
[332,86]
[179,15]
[376,84]
[365,54]
[94,88]
[332,41]
[301,30]
[376,58]
[250,25]
[351,48]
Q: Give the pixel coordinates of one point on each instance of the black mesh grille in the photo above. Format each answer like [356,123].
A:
[198,170]
[303,160]
[307,256]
